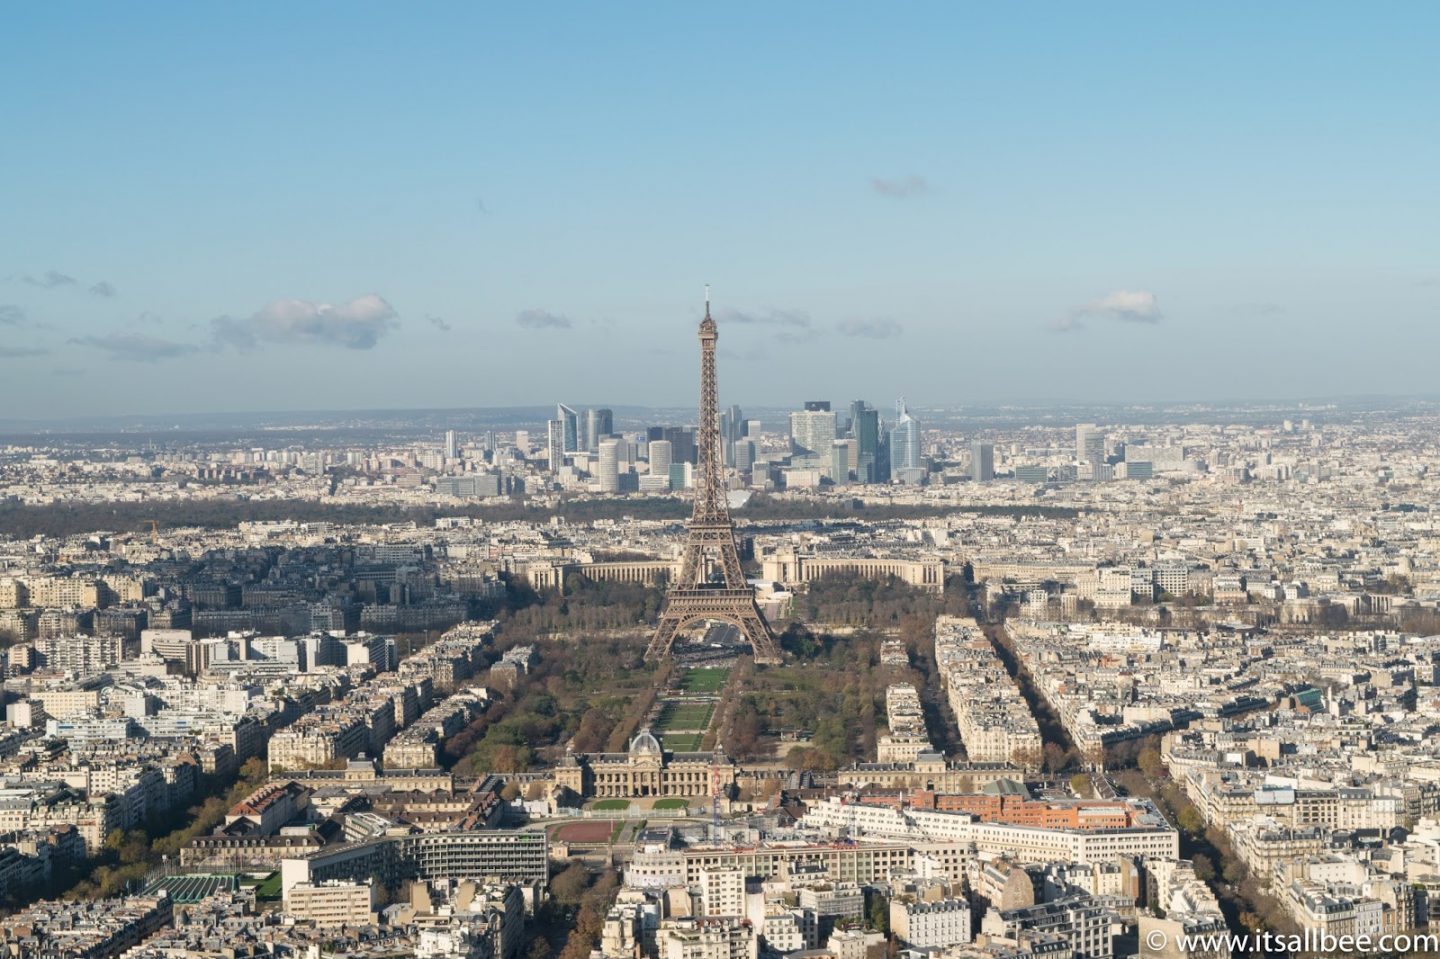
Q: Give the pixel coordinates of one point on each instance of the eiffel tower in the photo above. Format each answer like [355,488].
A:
[698,595]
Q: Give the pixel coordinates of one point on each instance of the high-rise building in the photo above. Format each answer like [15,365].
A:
[609,468]
[731,423]
[840,462]
[812,432]
[661,456]
[982,461]
[598,425]
[555,444]
[881,469]
[452,445]
[905,441]
[570,422]
[1090,449]
[865,429]
[522,442]
[681,439]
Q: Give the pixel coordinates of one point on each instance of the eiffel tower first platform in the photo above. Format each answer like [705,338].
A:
[711,585]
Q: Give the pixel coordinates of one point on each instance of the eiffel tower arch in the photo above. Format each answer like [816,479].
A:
[711,585]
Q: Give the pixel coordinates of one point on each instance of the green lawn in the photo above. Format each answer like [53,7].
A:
[704,680]
[684,716]
[603,805]
[672,802]
[270,888]
[684,742]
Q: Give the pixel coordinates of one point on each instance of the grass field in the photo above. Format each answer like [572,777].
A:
[270,888]
[671,802]
[684,742]
[684,716]
[611,804]
[704,680]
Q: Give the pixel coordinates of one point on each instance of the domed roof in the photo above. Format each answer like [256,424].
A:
[645,744]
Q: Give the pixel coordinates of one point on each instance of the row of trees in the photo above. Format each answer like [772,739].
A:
[1140,771]
[583,689]
[21,520]
[128,857]
[847,599]
[569,923]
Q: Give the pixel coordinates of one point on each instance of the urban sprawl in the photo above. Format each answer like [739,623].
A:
[1056,691]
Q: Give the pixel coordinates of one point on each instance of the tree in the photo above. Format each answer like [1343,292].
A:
[1151,763]
[540,948]
[1080,784]
[879,914]
[1055,758]
[1204,868]
[1234,871]
[1191,821]
[570,884]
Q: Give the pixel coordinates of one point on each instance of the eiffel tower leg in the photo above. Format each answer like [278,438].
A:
[761,642]
[664,638]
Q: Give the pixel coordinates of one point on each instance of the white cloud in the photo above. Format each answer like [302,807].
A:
[795,319]
[542,320]
[139,347]
[356,325]
[871,329]
[900,187]
[1129,306]
[50,280]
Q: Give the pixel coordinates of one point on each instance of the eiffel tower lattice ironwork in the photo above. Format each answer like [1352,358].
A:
[711,585]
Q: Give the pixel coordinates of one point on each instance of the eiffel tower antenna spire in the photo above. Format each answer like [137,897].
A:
[710,538]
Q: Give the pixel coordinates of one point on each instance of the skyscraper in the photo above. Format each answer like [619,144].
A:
[661,456]
[681,439]
[599,424]
[1090,449]
[555,443]
[982,461]
[609,469]
[570,424]
[731,422]
[452,445]
[812,432]
[865,428]
[904,442]
[840,462]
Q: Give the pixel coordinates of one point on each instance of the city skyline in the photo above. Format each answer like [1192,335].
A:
[1040,562]
[1206,214]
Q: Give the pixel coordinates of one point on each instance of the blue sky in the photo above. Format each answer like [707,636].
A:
[207,207]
